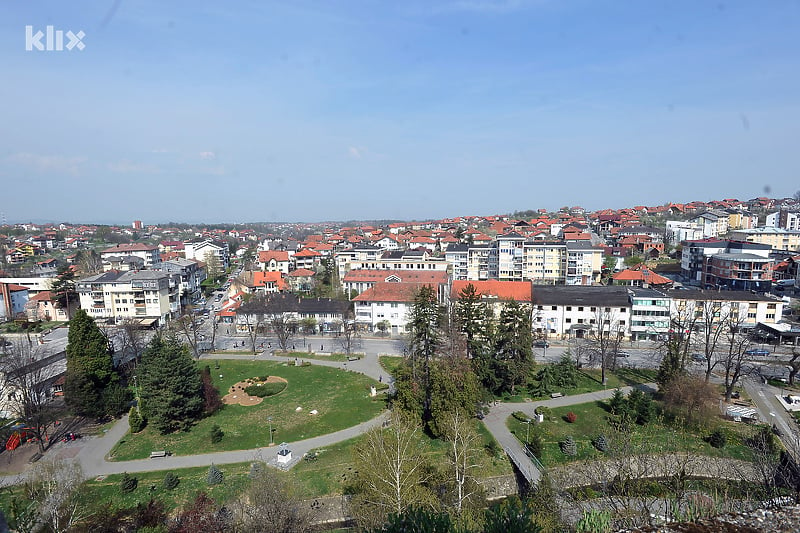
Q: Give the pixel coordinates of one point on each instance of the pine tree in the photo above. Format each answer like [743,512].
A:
[568,446]
[171,480]
[215,475]
[171,390]
[90,368]
[128,483]
[513,346]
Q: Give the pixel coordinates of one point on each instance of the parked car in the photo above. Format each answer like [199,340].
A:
[699,357]
[759,352]
[622,354]
[541,344]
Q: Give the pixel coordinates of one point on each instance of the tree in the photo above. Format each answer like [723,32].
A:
[424,321]
[213,266]
[513,346]
[89,366]
[270,504]
[463,449]
[188,326]
[473,316]
[62,289]
[734,360]
[131,339]
[690,399]
[606,337]
[392,471]
[712,321]
[28,377]
[348,336]
[675,349]
[211,399]
[202,514]
[88,261]
[270,312]
[55,487]
[171,389]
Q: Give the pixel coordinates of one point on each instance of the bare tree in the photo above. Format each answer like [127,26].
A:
[348,335]
[392,473]
[711,319]
[606,338]
[269,504]
[131,339]
[464,447]
[54,485]
[27,382]
[187,326]
[253,322]
[733,362]
[677,345]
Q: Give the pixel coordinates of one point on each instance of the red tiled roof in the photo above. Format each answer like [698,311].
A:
[641,274]
[520,291]
[306,252]
[437,277]
[301,273]
[44,296]
[133,247]
[263,278]
[265,256]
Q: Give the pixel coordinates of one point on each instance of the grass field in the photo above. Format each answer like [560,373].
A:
[341,398]
[390,363]
[654,438]
[590,380]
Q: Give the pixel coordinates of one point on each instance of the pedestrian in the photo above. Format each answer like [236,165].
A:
[380,379]
[321,347]
[269,345]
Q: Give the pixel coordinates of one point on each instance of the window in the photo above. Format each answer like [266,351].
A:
[568,321]
[593,309]
[554,308]
[569,308]
[580,308]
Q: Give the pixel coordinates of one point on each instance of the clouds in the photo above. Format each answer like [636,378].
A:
[208,156]
[71,165]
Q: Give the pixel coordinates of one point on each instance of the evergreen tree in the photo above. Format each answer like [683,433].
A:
[475,321]
[90,368]
[171,390]
[62,289]
[513,346]
[426,317]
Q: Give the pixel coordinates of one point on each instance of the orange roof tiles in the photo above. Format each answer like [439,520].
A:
[520,291]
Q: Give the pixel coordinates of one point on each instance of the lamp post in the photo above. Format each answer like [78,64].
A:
[528,432]
[269,419]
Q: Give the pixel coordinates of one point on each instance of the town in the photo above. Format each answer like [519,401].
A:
[266,369]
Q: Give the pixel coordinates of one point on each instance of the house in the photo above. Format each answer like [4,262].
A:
[274,261]
[203,249]
[122,262]
[42,307]
[268,282]
[192,274]
[641,276]
[358,281]
[300,280]
[306,258]
[328,314]
[776,238]
[13,299]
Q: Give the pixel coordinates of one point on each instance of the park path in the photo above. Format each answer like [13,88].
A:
[495,422]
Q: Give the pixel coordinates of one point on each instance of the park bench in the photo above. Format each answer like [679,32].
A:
[159,453]
[353,358]
[556,395]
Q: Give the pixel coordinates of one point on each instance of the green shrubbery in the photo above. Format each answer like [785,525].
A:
[265,389]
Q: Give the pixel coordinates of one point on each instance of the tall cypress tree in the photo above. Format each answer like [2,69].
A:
[90,369]
[425,319]
[171,388]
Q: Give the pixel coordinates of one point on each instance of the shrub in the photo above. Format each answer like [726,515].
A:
[215,475]
[570,417]
[171,480]
[535,446]
[255,469]
[136,420]
[568,446]
[216,434]
[544,411]
[519,415]
[265,389]
[128,483]
[601,443]
[717,439]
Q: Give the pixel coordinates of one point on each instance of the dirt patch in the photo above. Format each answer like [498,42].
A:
[237,395]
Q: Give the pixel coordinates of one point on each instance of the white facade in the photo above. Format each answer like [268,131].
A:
[144,294]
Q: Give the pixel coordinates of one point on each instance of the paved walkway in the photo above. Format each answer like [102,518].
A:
[495,422]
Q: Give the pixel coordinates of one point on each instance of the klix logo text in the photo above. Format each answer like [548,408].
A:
[52,40]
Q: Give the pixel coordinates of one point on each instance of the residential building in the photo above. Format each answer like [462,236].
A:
[694,257]
[750,308]
[300,280]
[329,314]
[510,257]
[776,238]
[650,314]
[199,250]
[495,293]
[784,219]
[739,271]
[584,263]
[148,253]
[386,301]
[34,285]
[192,275]
[274,261]
[13,299]
[148,295]
[545,261]
[360,280]
[680,230]
[42,307]
[570,311]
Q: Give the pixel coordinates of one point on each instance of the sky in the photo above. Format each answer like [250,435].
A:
[371,109]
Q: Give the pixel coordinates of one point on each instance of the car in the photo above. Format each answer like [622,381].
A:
[622,354]
[541,344]
[698,358]
[759,352]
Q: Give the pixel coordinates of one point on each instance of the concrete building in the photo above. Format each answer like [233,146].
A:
[148,295]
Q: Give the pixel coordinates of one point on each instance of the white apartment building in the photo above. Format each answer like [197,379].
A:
[565,311]
[148,253]
[750,308]
[148,295]
[199,249]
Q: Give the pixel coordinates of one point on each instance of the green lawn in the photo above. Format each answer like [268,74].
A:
[590,380]
[655,437]
[390,363]
[342,399]
[335,356]
[192,481]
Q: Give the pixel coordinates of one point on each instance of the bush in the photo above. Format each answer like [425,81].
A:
[128,483]
[544,411]
[568,446]
[535,446]
[265,389]
[171,481]
[601,443]
[570,417]
[216,434]
[717,439]
[522,417]
[136,421]
[215,475]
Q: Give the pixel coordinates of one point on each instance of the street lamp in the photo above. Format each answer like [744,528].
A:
[528,432]
[269,419]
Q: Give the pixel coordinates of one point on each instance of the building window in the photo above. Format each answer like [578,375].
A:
[580,309]
[554,308]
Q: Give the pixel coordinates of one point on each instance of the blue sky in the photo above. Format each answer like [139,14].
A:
[312,111]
